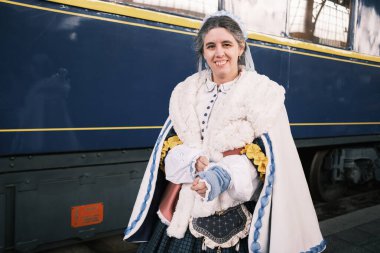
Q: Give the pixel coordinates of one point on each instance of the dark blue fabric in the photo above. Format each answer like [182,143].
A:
[259,141]
[162,243]
[220,228]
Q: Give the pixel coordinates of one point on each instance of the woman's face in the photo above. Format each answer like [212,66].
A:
[221,51]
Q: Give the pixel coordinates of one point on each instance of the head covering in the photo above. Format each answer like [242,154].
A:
[249,65]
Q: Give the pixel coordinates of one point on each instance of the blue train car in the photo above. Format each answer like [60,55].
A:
[84,90]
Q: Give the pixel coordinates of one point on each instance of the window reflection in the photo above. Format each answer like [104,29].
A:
[191,8]
[367,36]
[320,21]
[265,16]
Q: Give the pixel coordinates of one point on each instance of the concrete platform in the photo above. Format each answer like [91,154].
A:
[356,232]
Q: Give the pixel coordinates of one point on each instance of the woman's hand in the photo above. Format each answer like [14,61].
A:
[199,187]
[201,163]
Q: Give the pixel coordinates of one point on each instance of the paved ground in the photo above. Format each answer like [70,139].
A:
[356,232]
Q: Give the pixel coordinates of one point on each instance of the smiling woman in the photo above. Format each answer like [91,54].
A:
[84,92]
[218,193]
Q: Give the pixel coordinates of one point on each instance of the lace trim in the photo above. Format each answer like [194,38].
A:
[208,242]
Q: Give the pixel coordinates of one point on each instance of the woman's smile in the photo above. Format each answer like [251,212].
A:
[221,63]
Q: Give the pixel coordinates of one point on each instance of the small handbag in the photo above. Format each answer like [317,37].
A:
[223,229]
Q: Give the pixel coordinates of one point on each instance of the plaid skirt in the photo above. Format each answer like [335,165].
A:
[160,242]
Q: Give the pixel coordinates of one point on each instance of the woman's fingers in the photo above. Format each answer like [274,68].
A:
[203,160]
[195,182]
[201,163]
[199,187]
[202,191]
[199,166]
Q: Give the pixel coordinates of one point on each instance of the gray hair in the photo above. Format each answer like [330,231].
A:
[224,22]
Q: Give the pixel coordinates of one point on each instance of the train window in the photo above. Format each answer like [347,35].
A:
[320,21]
[367,34]
[191,8]
[264,16]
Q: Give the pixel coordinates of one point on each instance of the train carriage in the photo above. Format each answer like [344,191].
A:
[84,90]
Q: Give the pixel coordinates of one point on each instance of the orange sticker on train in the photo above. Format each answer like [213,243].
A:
[86,215]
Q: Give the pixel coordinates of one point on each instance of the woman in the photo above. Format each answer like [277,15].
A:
[228,150]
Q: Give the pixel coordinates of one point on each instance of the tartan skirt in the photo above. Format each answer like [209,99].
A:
[160,242]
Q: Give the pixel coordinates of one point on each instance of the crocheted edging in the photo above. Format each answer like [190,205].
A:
[319,248]
[152,170]
[255,246]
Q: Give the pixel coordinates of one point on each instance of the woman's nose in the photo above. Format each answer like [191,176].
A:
[219,51]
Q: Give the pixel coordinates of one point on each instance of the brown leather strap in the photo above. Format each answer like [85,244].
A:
[235,151]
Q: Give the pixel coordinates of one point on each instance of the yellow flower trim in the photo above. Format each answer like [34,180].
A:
[254,153]
[170,143]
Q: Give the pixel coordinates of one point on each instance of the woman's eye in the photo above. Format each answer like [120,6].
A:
[227,45]
[210,46]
